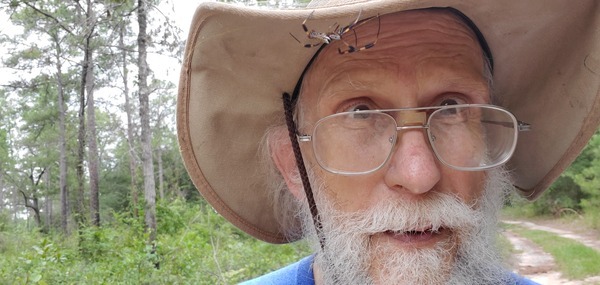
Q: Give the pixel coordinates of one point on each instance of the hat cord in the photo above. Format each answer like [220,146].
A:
[289,101]
[292,130]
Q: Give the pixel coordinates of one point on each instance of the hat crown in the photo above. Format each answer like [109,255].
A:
[332,3]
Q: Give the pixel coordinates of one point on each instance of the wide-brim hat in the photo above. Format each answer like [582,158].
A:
[239,60]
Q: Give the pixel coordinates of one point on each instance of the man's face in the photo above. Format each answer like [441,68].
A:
[420,59]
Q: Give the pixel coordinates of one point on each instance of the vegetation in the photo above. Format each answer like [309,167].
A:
[576,192]
[92,186]
[194,246]
[575,260]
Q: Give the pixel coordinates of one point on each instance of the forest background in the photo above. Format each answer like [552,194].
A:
[92,187]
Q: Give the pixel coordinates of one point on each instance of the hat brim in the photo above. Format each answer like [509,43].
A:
[239,60]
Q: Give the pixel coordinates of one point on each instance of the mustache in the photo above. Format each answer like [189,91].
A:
[438,211]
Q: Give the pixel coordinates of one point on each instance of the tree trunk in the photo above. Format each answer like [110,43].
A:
[62,161]
[2,205]
[91,120]
[48,209]
[129,112]
[15,208]
[161,183]
[79,206]
[147,166]
[92,147]
[33,201]
[47,203]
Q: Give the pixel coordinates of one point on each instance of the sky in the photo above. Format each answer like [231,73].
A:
[184,9]
[181,12]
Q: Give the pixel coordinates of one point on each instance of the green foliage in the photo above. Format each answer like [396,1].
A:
[195,245]
[564,193]
[574,260]
[577,190]
[589,181]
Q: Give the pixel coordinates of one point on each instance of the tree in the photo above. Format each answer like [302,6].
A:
[146,139]
[165,103]
[68,51]
[88,81]
[588,178]
[35,143]
[131,141]
[64,192]
[6,162]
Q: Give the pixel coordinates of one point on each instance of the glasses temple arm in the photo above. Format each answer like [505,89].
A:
[521,126]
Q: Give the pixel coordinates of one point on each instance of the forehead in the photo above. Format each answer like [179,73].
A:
[407,43]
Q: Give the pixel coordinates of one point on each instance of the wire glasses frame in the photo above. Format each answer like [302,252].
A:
[467,137]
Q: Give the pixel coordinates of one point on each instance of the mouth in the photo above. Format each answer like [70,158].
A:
[417,237]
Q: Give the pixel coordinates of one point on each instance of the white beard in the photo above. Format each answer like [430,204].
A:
[469,257]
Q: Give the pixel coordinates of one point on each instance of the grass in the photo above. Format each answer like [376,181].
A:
[505,247]
[522,212]
[574,260]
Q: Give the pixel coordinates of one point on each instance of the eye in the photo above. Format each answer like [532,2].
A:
[360,115]
[360,107]
[355,110]
[449,102]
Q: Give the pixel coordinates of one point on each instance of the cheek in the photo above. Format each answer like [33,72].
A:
[468,185]
[351,193]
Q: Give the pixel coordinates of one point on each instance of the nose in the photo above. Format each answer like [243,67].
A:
[412,166]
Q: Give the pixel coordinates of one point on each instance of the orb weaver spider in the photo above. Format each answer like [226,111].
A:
[337,33]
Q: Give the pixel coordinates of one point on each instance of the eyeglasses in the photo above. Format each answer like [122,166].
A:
[467,137]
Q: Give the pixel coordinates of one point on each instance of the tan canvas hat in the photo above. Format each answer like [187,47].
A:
[239,60]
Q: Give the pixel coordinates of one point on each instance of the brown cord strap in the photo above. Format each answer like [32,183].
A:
[288,106]
[291,125]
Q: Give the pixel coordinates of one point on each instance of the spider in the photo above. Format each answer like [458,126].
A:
[337,33]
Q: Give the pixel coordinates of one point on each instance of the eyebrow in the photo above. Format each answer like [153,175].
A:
[339,85]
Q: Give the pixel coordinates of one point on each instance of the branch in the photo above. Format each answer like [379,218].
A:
[37,181]
[49,16]
[27,205]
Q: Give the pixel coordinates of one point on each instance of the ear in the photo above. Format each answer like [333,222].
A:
[283,157]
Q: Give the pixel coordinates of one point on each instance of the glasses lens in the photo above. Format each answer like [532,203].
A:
[355,142]
[463,137]
[472,137]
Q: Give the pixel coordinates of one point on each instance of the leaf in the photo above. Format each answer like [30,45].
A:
[36,278]
[38,249]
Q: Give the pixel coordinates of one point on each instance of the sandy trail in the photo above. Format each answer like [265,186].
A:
[532,262]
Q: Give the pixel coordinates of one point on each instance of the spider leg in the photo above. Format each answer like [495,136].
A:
[305,28]
[309,16]
[295,38]
[304,22]
[345,29]
[335,30]
[355,48]
[312,45]
[356,25]
[349,48]
[378,30]
[356,20]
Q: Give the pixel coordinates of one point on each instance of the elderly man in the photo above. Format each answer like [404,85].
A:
[389,153]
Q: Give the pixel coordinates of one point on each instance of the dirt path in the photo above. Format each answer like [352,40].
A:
[589,240]
[532,262]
